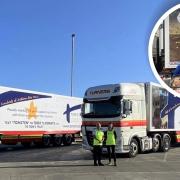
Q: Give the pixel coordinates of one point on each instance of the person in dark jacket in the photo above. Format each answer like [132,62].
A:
[110,136]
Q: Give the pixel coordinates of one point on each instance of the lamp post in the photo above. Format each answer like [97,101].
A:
[72,63]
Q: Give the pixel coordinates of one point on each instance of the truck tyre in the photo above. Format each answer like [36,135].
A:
[57,140]
[133,148]
[26,144]
[67,140]
[166,141]
[46,141]
[156,144]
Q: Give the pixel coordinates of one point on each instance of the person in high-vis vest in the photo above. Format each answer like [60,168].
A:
[111,136]
[97,145]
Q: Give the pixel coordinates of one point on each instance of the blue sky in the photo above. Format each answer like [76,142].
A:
[111,42]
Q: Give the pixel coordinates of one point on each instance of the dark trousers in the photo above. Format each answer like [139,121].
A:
[111,152]
[97,153]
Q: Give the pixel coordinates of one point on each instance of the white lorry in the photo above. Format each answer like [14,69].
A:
[145,116]
[44,119]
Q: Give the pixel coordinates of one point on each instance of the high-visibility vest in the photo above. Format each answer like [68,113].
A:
[110,138]
[97,141]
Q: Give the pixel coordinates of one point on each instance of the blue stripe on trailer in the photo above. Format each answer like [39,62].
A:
[11,97]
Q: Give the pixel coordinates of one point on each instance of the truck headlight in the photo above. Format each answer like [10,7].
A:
[126,147]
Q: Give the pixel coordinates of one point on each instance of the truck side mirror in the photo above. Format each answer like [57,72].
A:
[82,109]
[127,107]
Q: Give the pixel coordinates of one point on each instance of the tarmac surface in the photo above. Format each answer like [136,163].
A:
[72,162]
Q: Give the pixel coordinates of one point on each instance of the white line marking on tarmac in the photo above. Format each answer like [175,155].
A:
[165,157]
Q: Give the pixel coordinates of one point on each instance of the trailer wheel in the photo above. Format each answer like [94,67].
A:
[46,141]
[156,144]
[57,140]
[26,144]
[166,143]
[67,140]
[133,148]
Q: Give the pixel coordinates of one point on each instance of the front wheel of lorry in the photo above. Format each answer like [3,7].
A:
[166,141]
[133,148]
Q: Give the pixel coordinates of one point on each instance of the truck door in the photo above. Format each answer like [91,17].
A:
[135,123]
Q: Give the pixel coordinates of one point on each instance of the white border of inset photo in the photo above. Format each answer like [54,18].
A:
[150,50]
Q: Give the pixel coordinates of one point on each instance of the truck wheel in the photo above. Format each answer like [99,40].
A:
[57,140]
[133,148]
[26,144]
[67,140]
[156,144]
[166,143]
[46,141]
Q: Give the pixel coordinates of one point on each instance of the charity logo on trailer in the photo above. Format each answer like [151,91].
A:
[32,110]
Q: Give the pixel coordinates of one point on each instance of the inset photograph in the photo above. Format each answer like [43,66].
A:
[164,51]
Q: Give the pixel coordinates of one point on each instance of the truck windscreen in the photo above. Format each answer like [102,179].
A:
[102,108]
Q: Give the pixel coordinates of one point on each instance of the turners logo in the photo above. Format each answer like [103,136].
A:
[102,91]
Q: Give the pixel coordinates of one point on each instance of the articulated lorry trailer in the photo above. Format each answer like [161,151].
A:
[44,119]
[145,116]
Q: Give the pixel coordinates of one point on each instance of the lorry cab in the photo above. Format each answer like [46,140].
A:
[122,104]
